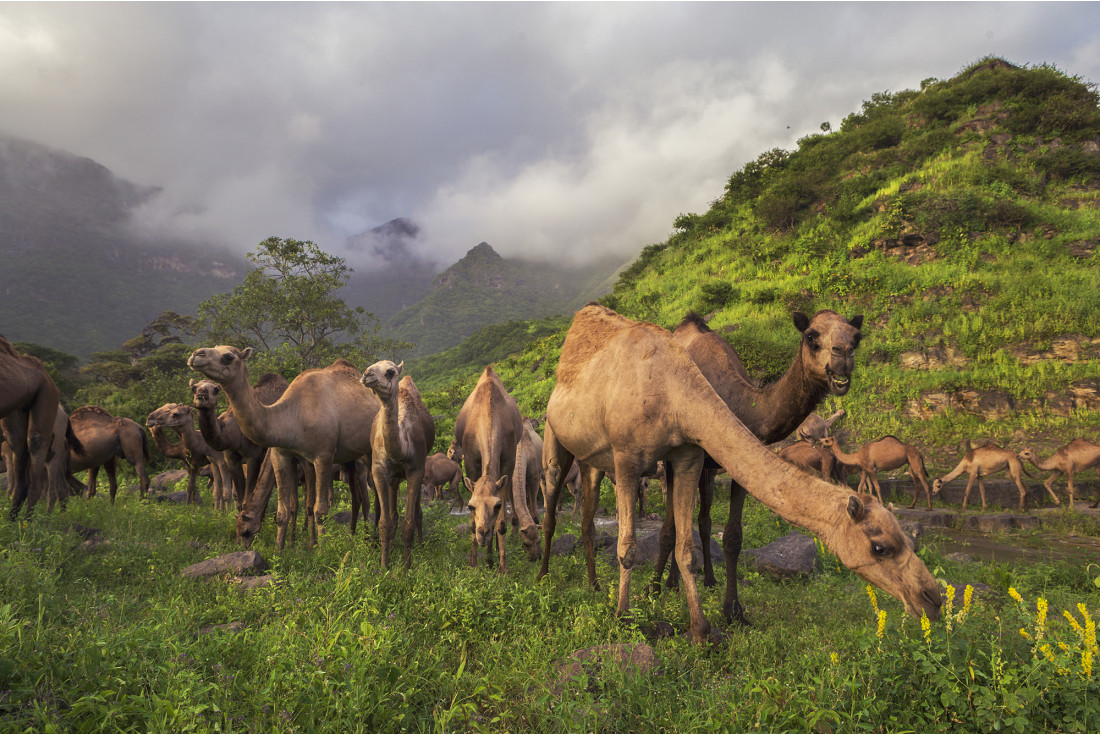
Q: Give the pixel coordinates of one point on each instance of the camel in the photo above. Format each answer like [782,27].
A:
[822,365]
[244,457]
[883,455]
[402,435]
[986,460]
[487,431]
[531,479]
[815,428]
[323,418]
[628,395]
[106,439]
[1077,456]
[28,408]
[196,451]
[808,456]
[440,470]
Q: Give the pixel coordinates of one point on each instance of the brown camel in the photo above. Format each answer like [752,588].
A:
[487,430]
[196,452]
[531,480]
[106,439]
[403,434]
[1077,456]
[985,460]
[628,395]
[883,455]
[808,456]
[323,418]
[815,428]
[64,444]
[823,364]
[440,470]
[28,408]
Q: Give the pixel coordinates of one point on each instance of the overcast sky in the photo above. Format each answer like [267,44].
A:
[558,130]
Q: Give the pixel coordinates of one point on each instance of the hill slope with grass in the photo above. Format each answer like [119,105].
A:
[961,219]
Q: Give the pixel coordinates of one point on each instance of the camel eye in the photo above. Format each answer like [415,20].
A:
[879,550]
[856,340]
[811,339]
[389,374]
[470,507]
[496,508]
[227,358]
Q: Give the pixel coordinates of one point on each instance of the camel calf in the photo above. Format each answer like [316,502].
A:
[1077,456]
[986,460]
[883,455]
[814,428]
[440,470]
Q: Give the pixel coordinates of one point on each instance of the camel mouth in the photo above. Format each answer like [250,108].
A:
[838,384]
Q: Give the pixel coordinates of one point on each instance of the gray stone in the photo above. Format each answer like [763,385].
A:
[632,658]
[235,627]
[179,498]
[166,480]
[791,556]
[649,547]
[247,584]
[237,562]
[563,545]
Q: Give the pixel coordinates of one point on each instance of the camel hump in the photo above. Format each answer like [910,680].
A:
[88,411]
[342,365]
[594,328]
[693,320]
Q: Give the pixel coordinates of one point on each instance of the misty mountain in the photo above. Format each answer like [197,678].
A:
[401,279]
[74,277]
[483,288]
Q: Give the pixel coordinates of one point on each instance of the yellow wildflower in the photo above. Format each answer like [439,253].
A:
[1064,646]
[1015,595]
[1045,648]
[881,624]
[834,659]
[1073,622]
[1041,618]
[1084,612]
[1025,634]
[926,627]
[874,599]
[968,596]
[1086,663]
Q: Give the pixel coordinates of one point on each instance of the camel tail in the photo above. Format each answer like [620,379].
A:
[74,442]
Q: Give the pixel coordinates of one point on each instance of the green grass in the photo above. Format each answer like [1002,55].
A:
[106,640]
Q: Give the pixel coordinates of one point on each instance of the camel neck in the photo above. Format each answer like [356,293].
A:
[774,411]
[844,456]
[394,439]
[253,417]
[210,427]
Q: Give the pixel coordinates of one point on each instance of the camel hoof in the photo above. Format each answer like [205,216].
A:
[710,582]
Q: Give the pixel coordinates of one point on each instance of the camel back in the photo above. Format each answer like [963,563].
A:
[409,403]
[488,400]
[593,328]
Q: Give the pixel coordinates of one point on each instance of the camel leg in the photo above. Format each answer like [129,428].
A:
[626,490]
[556,461]
[501,525]
[687,466]
[322,499]
[112,478]
[192,485]
[1069,485]
[1049,485]
[413,522]
[981,489]
[666,541]
[92,481]
[706,495]
[286,480]
[590,482]
[387,500]
[969,484]
[876,487]
[731,545]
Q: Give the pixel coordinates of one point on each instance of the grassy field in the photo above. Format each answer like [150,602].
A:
[108,639]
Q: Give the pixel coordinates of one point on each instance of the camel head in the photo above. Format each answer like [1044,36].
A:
[937,485]
[829,343]
[486,504]
[171,415]
[454,452]
[871,543]
[204,393]
[1028,454]
[221,364]
[247,528]
[383,377]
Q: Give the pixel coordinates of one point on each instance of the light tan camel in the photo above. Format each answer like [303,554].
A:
[982,461]
[531,479]
[823,364]
[815,428]
[883,455]
[106,439]
[403,434]
[196,451]
[487,430]
[28,408]
[323,418]
[628,395]
[808,456]
[440,470]
[1077,456]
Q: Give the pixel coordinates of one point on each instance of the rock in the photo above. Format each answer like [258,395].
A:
[179,498]
[563,545]
[649,546]
[960,557]
[237,562]
[922,517]
[343,517]
[632,658]
[914,530]
[166,480]
[235,627]
[793,555]
[247,584]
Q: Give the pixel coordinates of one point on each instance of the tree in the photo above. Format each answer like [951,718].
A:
[288,308]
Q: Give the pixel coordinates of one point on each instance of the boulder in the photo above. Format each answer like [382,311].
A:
[793,555]
[237,562]
[247,584]
[649,546]
[179,498]
[166,480]
[563,545]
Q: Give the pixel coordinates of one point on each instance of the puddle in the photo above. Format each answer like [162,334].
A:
[1081,549]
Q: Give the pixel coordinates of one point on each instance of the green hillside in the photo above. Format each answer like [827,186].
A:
[961,219]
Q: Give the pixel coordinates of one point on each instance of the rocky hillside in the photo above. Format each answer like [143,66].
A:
[961,219]
[483,288]
[72,277]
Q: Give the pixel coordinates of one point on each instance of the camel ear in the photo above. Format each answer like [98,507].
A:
[801,321]
[501,483]
[400,365]
[856,510]
[468,483]
[191,383]
[857,321]
[246,353]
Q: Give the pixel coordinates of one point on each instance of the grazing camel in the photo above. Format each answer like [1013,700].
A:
[532,481]
[440,470]
[985,460]
[1077,456]
[822,365]
[808,456]
[28,408]
[628,395]
[883,455]
[323,418]
[196,451]
[106,439]
[402,435]
[487,430]
[815,428]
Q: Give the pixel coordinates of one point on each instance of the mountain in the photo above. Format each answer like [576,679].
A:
[74,278]
[483,288]
[400,278]
[961,219]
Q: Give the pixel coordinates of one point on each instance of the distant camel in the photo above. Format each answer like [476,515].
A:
[106,439]
[986,460]
[815,428]
[1077,456]
[883,455]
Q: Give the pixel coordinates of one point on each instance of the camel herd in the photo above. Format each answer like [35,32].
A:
[631,400]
